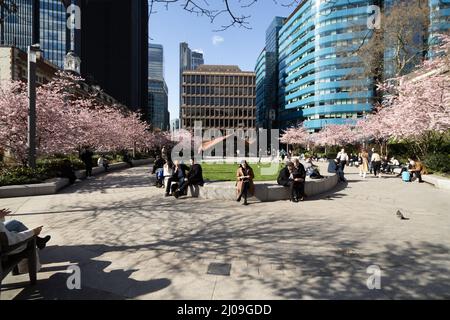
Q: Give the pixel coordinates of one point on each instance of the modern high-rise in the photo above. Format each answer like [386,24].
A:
[220,97]
[439,17]
[112,42]
[113,47]
[158,110]
[321,79]
[267,95]
[46,18]
[155,61]
[189,60]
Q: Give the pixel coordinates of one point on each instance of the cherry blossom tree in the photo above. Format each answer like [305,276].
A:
[66,121]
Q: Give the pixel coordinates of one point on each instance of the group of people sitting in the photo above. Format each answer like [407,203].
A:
[176,177]
[293,176]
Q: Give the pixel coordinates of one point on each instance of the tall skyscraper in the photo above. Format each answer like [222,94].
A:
[189,60]
[440,16]
[155,61]
[157,89]
[113,47]
[46,18]
[321,79]
[267,78]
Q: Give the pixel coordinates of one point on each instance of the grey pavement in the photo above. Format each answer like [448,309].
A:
[131,242]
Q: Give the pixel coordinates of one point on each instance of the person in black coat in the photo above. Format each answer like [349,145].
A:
[86,157]
[298,178]
[195,174]
[283,177]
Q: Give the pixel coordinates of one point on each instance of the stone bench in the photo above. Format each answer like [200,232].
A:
[265,191]
[436,181]
[52,186]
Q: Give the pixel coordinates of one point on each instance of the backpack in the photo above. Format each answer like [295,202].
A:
[406,176]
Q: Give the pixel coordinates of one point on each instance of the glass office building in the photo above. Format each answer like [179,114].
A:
[155,61]
[267,96]
[321,78]
[158,105]
[53,31]
[440,16]
[47,18]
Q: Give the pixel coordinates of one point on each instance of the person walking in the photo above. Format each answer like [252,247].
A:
[364,163]
[86,157]
[370,160]
[343,159]
[103,162]
[376,164]
[244,184]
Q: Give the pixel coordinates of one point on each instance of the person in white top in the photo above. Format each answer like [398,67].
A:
[376,164]
[16,232]
[343,159]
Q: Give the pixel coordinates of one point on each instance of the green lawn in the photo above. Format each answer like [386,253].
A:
[227,172]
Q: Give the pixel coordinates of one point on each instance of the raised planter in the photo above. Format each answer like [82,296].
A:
[51,186]
[265,191]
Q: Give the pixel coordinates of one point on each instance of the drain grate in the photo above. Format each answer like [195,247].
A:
[219,269]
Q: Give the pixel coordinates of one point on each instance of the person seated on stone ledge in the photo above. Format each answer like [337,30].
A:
[283,176]
[298,176]
[17,232]
[195,175]
[244,184]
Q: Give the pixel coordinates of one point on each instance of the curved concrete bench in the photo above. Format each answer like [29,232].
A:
[51,186]
[265,191]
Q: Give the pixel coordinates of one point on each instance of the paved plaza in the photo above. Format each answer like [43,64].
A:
[132,243]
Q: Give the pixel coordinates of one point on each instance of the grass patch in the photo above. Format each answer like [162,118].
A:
[227,172]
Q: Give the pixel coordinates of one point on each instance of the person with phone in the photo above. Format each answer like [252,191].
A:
[244,184]
[17,232]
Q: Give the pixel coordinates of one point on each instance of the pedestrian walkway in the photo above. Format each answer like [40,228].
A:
[131,242]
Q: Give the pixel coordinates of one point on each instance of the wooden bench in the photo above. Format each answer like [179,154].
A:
[9,262]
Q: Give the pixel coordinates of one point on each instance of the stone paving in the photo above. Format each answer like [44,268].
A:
[132,243]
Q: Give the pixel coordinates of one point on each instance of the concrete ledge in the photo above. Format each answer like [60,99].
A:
[49,187]
[437,181]
[52,186]
[265,191]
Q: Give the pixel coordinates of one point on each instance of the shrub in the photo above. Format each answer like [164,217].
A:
[438,162]
[22,175]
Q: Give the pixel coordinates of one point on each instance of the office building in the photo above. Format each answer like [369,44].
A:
[189,60]
[220,97]
[267,78]
[321,79]
[45,18]
[113,47]
[158,109]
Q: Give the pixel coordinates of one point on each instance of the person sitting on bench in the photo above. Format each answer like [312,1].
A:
[17,232]
[194,177]
[178,177]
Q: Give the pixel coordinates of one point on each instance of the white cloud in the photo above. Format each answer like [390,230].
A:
[217,40]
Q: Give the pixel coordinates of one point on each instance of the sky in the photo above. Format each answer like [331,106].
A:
[235,46]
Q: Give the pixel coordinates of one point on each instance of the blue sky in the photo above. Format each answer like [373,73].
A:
[237,46]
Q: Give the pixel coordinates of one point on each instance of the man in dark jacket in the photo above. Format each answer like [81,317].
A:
[283,177]
[299,178]
[86,157]
[195,174]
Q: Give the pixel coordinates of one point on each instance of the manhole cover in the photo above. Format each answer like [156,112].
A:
[219,269]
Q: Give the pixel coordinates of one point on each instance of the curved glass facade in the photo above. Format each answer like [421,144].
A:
[320,76]
[440,16]
[260,71]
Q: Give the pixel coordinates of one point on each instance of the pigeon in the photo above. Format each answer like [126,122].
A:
[401,216]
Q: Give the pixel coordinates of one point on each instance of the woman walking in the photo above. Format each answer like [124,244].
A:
[244,184]
[364,163]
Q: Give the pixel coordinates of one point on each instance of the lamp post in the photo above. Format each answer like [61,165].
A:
[33,52]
